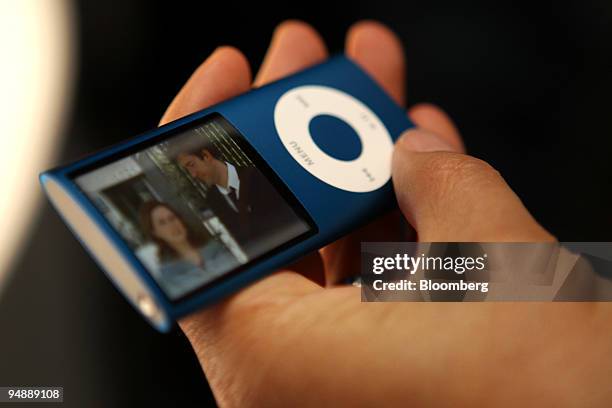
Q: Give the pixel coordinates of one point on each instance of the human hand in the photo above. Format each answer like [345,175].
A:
[288,340]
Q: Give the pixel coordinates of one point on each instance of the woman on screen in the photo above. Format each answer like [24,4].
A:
[187,262]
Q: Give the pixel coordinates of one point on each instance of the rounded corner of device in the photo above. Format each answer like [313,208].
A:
[164,326]
[122,270]
[44,178]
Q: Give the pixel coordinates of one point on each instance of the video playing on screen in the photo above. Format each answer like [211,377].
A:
[195,206]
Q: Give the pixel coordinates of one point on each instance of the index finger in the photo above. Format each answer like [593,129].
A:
[224,74]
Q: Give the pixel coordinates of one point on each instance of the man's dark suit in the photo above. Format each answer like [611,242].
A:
[260,208]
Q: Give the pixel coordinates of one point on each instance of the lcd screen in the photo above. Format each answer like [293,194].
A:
[195,206]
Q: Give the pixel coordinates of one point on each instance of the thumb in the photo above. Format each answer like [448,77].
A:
[449,196]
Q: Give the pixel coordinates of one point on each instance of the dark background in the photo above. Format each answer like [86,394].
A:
[529,85]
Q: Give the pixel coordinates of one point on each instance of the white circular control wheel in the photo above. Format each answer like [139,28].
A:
[370,170]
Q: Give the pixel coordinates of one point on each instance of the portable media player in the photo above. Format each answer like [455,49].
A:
[185,214]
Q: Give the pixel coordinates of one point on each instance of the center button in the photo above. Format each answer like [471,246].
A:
[335,137]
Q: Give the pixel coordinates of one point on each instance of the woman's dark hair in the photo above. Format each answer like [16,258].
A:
[164,251]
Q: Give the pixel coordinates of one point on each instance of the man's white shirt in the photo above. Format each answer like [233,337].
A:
[233,182]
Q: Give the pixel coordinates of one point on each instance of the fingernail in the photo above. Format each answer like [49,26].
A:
[419,140]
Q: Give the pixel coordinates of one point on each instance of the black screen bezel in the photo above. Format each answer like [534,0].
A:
[276,182]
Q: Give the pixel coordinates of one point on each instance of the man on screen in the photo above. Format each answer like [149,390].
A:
[241,197]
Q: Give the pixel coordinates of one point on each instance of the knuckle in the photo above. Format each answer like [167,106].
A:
[452,173]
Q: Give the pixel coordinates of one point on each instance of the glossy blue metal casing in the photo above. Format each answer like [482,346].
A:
[335,211]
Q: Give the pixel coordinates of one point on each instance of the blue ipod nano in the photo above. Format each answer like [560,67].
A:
[187,213]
